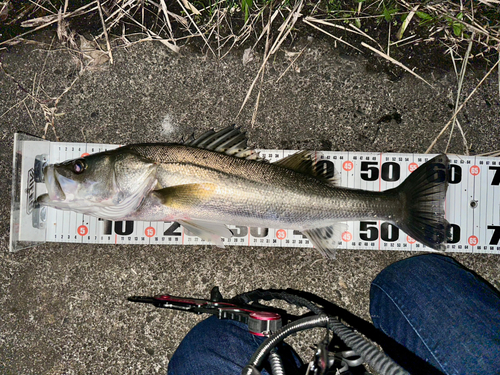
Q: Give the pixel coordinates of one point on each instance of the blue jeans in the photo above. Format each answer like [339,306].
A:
[441,311]
[222,347]
[430,304]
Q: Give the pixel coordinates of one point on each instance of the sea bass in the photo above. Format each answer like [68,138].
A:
[216,179]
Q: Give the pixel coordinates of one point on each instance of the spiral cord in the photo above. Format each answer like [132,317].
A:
[371,354]
[379,361]
[276,363]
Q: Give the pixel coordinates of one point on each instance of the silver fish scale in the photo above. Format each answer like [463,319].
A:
[204,189]
[254,193]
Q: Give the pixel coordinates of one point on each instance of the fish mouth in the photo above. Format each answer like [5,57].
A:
[55,192]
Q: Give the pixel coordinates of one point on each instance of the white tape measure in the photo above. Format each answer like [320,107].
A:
[472,204]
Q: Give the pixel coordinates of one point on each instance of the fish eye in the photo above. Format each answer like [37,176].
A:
[79,166]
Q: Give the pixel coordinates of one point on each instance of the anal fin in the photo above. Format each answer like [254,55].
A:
[325,239]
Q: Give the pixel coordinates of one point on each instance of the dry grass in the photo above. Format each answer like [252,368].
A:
[223,24]
[467,31]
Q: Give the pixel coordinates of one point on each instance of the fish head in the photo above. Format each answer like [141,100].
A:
[108,184]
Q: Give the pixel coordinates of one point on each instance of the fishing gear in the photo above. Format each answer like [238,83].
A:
[261,320]
[344,354]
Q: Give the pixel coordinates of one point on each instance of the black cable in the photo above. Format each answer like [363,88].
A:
[252,368]
[371,354]
[402,355]
[280,294]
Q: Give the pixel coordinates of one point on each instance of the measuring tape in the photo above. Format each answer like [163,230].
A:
[472,204]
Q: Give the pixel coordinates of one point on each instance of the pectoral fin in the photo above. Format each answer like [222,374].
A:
[185,196]
[325,239]
[181,196]
[207,231]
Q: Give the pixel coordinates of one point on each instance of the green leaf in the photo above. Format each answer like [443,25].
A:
[245,7]
[424,16]
[458,28]
[387,14]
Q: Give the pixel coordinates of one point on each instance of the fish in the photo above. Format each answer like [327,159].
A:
[215,180]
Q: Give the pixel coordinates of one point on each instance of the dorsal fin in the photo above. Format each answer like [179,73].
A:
[305,162]
[230,141]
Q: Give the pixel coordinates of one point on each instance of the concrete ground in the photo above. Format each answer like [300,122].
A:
[63,308]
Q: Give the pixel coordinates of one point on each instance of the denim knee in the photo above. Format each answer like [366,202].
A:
[441,311]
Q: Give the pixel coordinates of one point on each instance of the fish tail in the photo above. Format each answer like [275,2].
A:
[422,196]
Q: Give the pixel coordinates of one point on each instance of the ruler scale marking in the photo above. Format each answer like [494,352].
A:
[354,169]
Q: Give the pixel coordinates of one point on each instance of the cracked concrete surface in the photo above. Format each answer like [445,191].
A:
[63,306]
